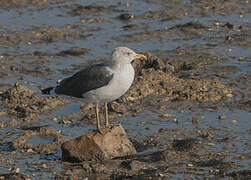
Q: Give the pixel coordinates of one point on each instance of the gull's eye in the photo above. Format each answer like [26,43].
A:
[129,53]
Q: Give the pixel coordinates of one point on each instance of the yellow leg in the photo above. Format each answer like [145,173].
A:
[97,118]
[107,124]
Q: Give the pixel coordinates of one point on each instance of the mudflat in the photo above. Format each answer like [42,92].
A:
[187,112]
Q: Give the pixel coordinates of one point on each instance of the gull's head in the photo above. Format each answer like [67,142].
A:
[125,55]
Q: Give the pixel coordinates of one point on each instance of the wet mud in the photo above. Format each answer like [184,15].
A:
[187,112]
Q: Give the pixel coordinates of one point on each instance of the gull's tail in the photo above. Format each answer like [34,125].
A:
[47,90]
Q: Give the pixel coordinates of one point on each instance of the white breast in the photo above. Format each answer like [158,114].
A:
[120,83]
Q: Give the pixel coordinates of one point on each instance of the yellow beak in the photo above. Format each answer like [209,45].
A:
[141,57]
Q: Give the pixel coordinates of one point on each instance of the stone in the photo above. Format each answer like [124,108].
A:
[112,143]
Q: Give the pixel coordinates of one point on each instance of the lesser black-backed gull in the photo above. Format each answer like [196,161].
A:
[102,83]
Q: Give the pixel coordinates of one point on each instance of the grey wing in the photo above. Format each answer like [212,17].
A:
[91,78]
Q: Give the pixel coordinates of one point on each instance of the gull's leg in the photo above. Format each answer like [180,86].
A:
[97,118]
[107,124]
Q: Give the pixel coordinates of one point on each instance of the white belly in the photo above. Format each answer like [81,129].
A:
[120,83]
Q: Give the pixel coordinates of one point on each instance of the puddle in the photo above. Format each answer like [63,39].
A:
[39,140]
[5,147]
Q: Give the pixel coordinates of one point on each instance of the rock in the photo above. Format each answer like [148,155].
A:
[113,143]
[195,121]
[222,117]
[166,115]
[126,16]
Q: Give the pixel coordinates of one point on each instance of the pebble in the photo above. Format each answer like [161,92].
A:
[126,16]
[1,125]
[176,120]
[234,121]
[217,23]
[195,120]
[204,134]
[66,122]
[216,171]
[129,130]
[142,123]
[30,150]
[44,166]
[17,170]
[161,175]
[222,117]
[229,95]
[166,115]
[240,58]
[210,144]
[242,157]
[190,165]
[229,50]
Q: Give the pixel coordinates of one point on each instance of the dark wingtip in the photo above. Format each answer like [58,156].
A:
[47,90]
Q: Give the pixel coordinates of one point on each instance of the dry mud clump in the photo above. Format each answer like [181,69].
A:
[154,79]
[24,103]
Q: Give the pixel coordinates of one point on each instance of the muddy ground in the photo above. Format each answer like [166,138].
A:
[187,112]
